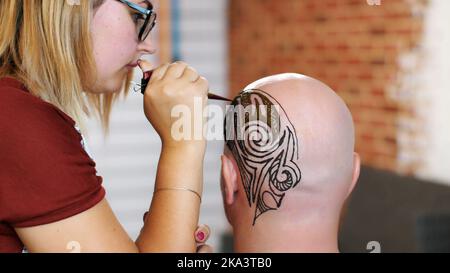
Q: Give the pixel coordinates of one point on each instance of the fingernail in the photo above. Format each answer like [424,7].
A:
[200,235]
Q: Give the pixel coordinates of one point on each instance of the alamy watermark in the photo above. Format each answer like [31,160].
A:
[252,122]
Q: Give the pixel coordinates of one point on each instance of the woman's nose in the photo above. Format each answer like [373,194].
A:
[147,46]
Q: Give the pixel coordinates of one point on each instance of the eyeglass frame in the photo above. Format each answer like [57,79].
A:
[147,12]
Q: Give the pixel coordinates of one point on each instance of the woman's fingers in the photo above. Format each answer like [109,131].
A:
[205,249]
[191,74]
[175,70]
[145,66]
[158,73]
[202,84]
[202,234]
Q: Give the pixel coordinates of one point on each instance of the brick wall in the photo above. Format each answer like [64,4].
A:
[352,46]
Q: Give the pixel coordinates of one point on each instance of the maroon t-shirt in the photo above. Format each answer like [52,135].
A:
[45,173]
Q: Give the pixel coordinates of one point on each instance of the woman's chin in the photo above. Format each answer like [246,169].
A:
[110,86]
[113,89]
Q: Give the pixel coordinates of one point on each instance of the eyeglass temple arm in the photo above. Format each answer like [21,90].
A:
[136,7]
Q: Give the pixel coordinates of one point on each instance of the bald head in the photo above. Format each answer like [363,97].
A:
[323,124]
[306,158]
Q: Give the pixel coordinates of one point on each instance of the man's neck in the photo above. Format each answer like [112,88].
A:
[301,237]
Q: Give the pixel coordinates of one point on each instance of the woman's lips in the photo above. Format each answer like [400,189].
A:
[133,65]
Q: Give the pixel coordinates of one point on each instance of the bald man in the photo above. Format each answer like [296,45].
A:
[289,165]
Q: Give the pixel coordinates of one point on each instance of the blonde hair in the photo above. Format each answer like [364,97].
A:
[46,45]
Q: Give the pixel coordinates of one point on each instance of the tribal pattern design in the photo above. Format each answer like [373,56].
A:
[264,144]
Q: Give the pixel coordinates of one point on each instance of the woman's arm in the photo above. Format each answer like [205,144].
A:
[94,230]
[173,214]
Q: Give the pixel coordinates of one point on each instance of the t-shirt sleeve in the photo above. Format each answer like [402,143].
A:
[45,174]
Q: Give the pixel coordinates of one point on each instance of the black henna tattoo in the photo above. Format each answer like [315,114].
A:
[264,144]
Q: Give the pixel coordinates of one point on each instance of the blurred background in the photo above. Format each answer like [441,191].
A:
[388,59]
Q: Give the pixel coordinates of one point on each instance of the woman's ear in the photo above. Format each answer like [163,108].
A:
[229,179]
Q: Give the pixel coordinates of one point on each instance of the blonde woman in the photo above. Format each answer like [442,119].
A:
[60,60]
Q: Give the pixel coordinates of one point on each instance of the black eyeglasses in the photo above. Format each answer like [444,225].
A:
[146,22]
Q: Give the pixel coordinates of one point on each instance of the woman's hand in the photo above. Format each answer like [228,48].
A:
[174,85]
[201,236]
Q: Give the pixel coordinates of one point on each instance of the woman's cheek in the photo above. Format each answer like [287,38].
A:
[115,47]
[122,50]
[112,57]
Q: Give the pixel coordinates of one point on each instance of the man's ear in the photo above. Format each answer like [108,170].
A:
[356,171]
[229,179]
